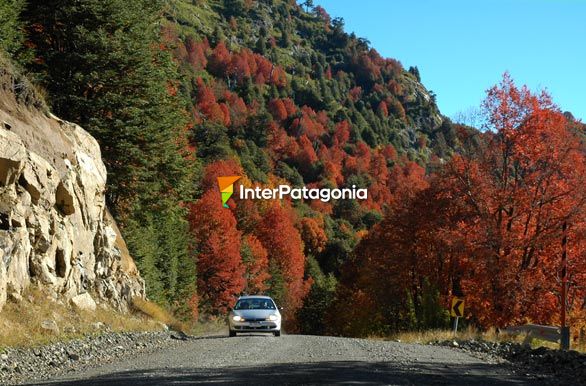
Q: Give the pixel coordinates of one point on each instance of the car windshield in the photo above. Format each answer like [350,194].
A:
[254,304]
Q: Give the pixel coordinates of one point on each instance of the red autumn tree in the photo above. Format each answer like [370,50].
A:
[396,108]
[216,169]
[239,67]
[342,133]
[389,152]
[208,105]
[220,272]
[306,156]
[278,110]
[277,140]
[256,260]
[386,276]
[521,188]
[382,109]
[355,93]
[219,59]
[237,108]
[313,235]
[285,247]
[379,192]
[289,106]
[196,53]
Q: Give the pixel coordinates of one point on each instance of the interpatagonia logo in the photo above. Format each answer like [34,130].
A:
[322,194]
[226,185]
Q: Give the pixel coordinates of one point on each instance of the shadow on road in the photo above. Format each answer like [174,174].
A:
[364,373]
[225,336]
[205,337]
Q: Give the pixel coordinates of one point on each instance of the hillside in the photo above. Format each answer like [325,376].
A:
[317,65]
[281,94]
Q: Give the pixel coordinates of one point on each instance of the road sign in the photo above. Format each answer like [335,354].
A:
[457,309]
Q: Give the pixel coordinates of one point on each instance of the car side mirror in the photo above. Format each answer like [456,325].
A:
[281,308]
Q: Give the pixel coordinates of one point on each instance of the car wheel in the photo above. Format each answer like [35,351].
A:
[232,334]
[277,333]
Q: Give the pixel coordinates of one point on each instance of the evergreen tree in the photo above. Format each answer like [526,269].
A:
[261,44]
[101,62]
[11,35]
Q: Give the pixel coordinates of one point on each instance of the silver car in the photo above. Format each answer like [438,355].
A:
[255,314]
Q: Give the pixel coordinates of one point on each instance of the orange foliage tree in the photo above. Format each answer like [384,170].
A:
[521,188]
[220,277]
[313,235]
[279,236]
[256,260]
[487,227]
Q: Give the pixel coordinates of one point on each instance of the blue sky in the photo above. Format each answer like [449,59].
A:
[463,47]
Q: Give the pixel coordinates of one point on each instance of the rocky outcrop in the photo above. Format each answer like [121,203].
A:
[55,228]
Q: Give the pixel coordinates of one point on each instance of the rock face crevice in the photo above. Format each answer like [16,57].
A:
[55,228]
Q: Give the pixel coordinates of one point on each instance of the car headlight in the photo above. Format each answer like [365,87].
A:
[272,317]
[238,318]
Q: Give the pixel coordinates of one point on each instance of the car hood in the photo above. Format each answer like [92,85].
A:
[255,313]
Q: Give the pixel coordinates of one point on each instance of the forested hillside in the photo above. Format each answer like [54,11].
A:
[180,92]
[282,94]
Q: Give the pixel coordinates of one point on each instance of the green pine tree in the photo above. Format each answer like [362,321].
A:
[11,33]
[101,62]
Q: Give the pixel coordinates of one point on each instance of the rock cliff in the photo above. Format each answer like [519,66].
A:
[55,229]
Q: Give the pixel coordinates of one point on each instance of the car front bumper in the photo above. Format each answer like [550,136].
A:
[261,326]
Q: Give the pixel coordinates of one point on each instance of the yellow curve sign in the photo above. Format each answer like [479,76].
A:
[457,308]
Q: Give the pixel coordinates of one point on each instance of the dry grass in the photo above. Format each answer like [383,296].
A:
[210,326]
[425,337]
[20,323]
[157,313]
[579,346]
[13,81]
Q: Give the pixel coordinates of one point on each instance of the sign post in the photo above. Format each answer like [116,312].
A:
[565,330]
[456,311]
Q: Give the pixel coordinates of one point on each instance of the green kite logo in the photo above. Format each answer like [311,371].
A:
[226,185]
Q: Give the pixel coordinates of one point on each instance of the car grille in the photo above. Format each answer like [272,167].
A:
[248,328]
[254,319]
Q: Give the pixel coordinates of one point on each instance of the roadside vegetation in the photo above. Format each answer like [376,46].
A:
[38,319]
[470,333]
[157,313]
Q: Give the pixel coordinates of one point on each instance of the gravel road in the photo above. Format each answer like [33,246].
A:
[299,359]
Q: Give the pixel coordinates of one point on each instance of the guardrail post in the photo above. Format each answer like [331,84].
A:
[565,338]
[564,330]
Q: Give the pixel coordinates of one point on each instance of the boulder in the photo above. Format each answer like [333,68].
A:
[83,302]
[50,326]
[98,326]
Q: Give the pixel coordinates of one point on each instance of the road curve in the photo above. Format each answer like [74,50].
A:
[298,359]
